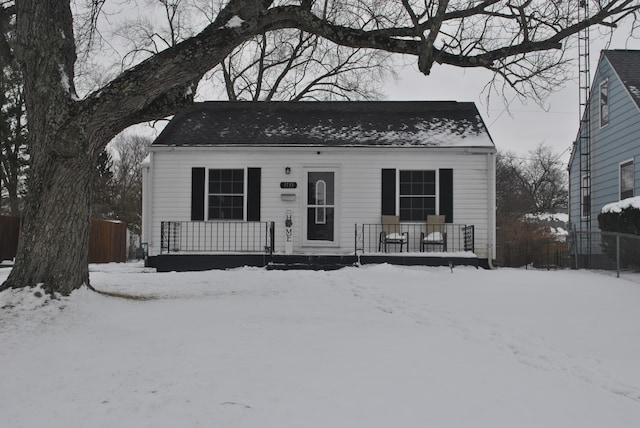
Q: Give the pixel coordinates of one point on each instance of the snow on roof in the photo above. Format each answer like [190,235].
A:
[617,207]
[626,63]
[390,123]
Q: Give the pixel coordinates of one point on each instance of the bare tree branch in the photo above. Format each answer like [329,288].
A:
[523,41]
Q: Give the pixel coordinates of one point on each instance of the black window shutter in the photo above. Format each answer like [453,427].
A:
[388,192]
[446,194]
[197,193]
[253,194]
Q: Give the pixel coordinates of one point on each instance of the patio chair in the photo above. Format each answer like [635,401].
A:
[435,235]
[391,233]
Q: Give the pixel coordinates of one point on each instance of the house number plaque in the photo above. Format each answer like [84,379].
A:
[288,184]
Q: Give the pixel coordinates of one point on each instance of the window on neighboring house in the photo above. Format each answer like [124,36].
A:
[626,179]
[417,195]
[586,196]
[604,103]
[226,194]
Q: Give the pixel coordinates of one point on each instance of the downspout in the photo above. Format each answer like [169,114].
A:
[147,214]
[491,208]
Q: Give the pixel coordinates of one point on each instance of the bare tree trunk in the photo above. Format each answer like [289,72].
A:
[53,248]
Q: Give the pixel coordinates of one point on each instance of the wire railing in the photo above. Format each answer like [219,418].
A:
[251,237]
[217,236]
[414,237]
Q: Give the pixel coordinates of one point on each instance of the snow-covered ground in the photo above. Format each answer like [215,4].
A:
[377,346]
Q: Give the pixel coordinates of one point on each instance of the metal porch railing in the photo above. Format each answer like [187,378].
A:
[459,237]
[217,236]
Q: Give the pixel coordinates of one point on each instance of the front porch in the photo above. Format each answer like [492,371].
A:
[202,245]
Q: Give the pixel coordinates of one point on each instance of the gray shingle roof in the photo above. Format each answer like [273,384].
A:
[339,123]
[626,63]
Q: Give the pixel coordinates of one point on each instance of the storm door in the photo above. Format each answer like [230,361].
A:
[321,207]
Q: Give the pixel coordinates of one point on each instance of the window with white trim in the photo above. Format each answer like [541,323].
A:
[226,194]
[586,196]
[626,179]
[417,195]
[604,103]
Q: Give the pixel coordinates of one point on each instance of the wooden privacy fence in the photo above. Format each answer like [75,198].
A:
[9,233]
[107,241]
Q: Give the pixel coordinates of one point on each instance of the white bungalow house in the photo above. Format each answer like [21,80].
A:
[235,183]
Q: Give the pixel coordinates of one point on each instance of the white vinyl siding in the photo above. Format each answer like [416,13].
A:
[359,185]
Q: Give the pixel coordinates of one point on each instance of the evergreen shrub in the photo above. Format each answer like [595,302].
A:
[626,221]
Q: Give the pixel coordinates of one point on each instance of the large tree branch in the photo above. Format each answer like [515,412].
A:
[154,85]
[144,89]
[403,40]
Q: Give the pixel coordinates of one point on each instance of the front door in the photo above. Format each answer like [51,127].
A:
[321,207]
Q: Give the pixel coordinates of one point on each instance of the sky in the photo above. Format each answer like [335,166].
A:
[377,346]
[519,128]
[522,126]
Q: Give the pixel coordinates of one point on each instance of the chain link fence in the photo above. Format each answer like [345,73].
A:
[605,250]
[580,250]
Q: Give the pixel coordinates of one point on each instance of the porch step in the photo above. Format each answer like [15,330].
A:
[310,262]
[305,266]
[200,262]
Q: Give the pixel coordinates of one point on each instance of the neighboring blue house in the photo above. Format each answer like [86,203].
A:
[604,164]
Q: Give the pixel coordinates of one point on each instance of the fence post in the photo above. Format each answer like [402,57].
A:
[272,236]
[355,241]
[548,254]
[172,236]
[576,247]
[617,255]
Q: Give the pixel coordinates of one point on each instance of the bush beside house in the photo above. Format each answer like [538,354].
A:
[533,240]
[621,217]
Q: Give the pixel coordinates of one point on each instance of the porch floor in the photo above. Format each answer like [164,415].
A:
[200,262]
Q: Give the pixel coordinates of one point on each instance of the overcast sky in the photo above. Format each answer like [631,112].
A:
[520,129]
[524,126]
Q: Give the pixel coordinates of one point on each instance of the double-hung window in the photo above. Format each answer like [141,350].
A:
[226,194]
[604,103]
[417,195]
[626,179]
[586,196]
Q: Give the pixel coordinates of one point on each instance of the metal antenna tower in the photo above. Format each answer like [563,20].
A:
[584,144]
